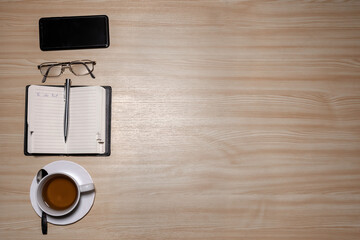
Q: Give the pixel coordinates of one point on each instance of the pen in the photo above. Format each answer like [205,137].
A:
[67,101]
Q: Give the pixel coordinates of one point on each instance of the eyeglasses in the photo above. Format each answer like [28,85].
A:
[78,67]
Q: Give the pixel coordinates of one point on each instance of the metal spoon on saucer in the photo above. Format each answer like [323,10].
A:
[42,173]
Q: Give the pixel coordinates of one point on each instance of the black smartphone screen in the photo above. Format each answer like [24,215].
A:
[61,33]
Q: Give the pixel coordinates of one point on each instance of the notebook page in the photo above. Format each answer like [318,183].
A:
[45,119]
[102,131]
[86,119]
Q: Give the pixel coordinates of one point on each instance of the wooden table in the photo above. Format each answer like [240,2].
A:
[230,119]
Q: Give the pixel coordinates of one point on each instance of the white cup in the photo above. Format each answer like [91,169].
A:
[56,213]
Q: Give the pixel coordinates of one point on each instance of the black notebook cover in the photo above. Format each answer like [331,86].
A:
[107,127]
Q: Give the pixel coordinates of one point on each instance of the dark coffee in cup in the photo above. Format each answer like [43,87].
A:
[60,192]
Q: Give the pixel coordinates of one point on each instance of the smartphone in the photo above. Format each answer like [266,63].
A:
[78,32]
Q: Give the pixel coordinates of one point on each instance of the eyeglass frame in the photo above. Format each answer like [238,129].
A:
[66,65]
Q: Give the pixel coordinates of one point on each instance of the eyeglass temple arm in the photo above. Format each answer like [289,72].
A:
[91,74]
[45,75]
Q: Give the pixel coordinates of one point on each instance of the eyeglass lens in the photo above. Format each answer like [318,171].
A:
[51,70]
[81,68]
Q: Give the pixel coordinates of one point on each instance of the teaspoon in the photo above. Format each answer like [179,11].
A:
[42,173]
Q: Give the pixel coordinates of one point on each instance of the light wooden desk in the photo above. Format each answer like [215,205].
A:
[230,119]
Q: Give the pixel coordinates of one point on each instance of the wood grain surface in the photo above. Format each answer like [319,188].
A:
[230,119]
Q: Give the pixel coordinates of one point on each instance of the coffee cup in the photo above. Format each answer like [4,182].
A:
[59,193]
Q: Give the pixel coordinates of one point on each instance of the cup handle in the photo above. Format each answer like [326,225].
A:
[87,187]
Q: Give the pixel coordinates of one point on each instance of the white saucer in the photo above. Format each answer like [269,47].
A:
[86,200]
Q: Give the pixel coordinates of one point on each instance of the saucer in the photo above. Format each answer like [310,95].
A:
[86,200]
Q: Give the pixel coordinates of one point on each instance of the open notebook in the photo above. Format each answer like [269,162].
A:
[89,121]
